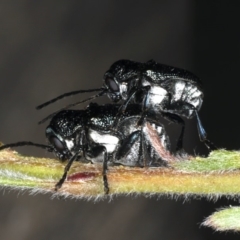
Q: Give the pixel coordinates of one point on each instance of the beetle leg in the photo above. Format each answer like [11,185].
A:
[123,107]
[94,152]
[145,104]
[176,119]
[66,169]
[104,173]
[127,144]
[203,135]
[201,131]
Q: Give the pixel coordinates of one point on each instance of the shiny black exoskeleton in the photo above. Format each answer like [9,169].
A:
[167,91]
[86,135]
[160,89]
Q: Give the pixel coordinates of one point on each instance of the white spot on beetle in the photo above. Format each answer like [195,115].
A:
[109,141]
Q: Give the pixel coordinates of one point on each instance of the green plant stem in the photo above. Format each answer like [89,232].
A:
[194,176]
[211,177]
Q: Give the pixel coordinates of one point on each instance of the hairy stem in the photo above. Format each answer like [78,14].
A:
[209,177]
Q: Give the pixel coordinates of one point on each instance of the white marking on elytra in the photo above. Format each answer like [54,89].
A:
[107,140]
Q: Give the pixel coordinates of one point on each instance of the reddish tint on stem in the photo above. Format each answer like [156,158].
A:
[81,176]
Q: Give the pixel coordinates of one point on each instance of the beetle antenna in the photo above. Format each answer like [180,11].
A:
[73,105]
[19,144]
[66,95]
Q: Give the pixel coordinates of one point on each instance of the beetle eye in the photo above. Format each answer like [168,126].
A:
[57,144]
[111,84]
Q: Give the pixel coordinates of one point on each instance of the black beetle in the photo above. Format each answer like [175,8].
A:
[85,135]
[167,91]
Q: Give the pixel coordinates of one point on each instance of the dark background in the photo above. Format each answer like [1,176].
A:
[51,47]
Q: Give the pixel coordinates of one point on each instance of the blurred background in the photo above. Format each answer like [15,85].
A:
[48,48]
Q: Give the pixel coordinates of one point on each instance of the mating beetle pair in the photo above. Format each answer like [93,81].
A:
[116,134]
[166,91]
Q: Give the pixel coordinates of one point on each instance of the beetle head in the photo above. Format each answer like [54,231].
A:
[119,78]
[65,133]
